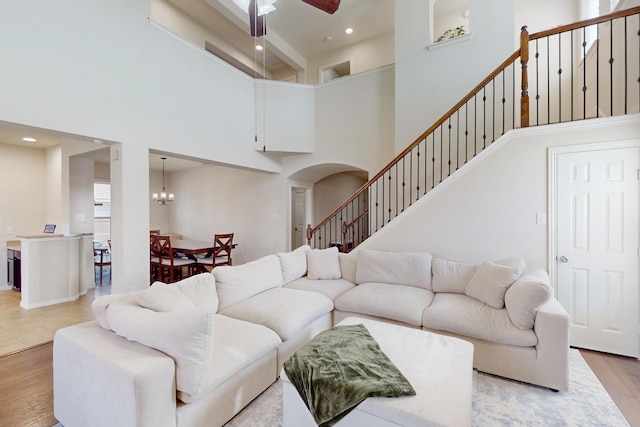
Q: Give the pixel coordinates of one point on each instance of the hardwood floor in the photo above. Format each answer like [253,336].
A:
[26,388]
[26,377]
[620,376]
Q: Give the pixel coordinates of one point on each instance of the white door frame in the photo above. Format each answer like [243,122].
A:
[553,154]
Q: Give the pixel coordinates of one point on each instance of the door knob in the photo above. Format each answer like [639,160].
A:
[563,259]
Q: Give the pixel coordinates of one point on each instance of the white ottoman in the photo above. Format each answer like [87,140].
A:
[439,368]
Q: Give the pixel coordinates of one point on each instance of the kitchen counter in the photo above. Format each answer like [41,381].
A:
[14,245]
[55,268]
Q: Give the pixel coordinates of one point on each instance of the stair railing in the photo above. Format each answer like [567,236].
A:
[579,71]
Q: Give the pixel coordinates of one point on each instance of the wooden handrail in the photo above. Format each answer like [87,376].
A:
[585,23]
[523,53]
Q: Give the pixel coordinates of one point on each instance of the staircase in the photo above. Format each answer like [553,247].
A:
[580,71]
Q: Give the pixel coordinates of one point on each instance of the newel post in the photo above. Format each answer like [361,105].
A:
[309,234]
[524,59]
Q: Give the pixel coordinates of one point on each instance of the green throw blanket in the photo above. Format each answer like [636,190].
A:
[340,368]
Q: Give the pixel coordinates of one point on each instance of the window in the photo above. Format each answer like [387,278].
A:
[102,212]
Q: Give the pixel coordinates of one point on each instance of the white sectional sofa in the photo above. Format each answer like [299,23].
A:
[196,352]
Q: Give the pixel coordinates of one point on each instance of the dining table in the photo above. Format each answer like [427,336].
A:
[191,248]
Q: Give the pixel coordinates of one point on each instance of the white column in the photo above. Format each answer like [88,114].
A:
[129,217]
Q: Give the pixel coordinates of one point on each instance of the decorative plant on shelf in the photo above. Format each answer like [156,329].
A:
[451,33]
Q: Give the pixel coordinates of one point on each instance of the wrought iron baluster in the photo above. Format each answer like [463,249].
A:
[571,74]
[584,73]
[597,42]
[559,78]
[484,117]
[548,83]
[611,67]
[537,56]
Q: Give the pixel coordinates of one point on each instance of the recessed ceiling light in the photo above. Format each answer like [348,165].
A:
[29,139]
[348,30]
[328,38]
[259,47]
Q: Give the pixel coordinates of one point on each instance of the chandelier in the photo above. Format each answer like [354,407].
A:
[163,198]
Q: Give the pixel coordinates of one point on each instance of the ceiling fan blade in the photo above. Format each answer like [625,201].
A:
[258,29]
[329,6]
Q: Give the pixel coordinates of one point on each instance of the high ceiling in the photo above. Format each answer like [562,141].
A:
[296,31]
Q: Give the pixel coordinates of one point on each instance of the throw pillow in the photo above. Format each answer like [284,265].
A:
[512,262]
[323,264]
[451,276]
[185,335]
[524,298]
[294,263]
[490,282]
[163,297]
[200,290]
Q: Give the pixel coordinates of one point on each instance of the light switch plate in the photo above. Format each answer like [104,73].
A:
[541,218]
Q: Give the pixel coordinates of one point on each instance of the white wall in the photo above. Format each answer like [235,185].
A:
[330,192]
[285,117]
[112,75]
[219,199]
[430,82]
[364,56]
[489,212]
[354,123]
[23,202]
[544,15]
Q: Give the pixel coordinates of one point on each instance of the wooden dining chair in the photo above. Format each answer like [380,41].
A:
[101,259]
[222,245]
[164,265]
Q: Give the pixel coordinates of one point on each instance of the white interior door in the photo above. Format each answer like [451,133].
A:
[597,247]
[298,217]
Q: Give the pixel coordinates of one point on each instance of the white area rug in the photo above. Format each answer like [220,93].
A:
[496,402]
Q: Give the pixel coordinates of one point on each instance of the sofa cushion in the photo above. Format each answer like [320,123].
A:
[399,268]
[185,335]
[236,345]
[451,276]
[525,296]
[348,266]
[331,288]
[395,302]
[294,263]
[323,264]
[239,282]
[163,297]
[285,311]
[467,316]
[490,282]
[200,289]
